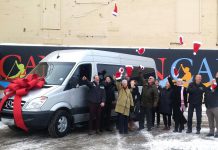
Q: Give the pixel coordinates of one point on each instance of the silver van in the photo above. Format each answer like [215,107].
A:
[62,103]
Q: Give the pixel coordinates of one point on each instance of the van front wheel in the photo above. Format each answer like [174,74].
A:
[60,124]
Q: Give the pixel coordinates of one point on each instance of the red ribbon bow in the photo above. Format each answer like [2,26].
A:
[19,88]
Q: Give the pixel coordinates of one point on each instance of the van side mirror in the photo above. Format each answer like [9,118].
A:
[73,83]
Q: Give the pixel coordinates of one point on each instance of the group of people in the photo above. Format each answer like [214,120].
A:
[170,101]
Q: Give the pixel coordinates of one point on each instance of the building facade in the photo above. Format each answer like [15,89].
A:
[139,23]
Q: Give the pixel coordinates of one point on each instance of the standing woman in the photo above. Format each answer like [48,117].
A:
[165,107]
[123,105]
[179,104]
[136,100]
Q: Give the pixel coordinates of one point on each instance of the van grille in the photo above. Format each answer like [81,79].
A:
[9,104]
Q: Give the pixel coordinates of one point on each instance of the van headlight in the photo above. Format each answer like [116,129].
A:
[36,103]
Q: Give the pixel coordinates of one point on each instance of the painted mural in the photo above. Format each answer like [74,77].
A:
[16,61]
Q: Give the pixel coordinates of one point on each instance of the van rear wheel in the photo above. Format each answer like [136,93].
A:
[60,124]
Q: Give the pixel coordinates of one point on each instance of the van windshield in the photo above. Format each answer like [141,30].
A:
[53,72]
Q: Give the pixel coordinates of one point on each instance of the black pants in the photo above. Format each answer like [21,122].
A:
[198,109]
[94,116]
[123,124]
[179,118]
[167,120]
[106,116]
[145,112]
[154,112]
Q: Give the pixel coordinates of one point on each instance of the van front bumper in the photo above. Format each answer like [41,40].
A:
[32,119]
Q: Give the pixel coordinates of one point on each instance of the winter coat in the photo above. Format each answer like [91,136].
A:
[149,96]
[176,102]
[211,97]
[176,94]
[196,93]
[165,101]
[96,93]
[135,94]
[124,101]
[110,92]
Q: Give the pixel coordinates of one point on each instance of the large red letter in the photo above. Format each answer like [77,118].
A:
[161,75]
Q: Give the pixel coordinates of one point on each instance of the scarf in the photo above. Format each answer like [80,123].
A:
[182,108]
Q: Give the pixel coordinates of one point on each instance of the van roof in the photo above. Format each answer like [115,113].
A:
[90,55]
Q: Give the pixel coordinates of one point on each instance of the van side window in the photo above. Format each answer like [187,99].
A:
[83,70]
[107,70]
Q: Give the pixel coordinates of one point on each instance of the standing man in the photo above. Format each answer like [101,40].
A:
[110,98]
[149,100]
[156,109]
[96,99]
[196,90]
[211,102]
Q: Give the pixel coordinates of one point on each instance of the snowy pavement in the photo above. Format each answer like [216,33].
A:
[79,139]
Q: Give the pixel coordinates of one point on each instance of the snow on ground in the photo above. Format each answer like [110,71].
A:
[2,126]
[182,141]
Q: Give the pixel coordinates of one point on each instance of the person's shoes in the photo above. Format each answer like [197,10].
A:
[198,132]
[175,130]
[180,130]
[109,130]
[91,132]
[149,129]
[216,135]
[165,128]
[139,129]
[98,132]
[189,131]
[210,134]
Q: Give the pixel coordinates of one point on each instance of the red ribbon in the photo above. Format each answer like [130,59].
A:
[19,88]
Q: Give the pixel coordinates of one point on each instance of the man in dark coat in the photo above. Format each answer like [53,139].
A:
[211,102]
[155,111]
[96,99]
[165,105]
[110,98]
[149,100]
[179,103]
[196,91]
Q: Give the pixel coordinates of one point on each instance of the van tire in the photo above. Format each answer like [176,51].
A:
[63,117]
[14,128]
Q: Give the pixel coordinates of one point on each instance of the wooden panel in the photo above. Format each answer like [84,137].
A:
[51,14]
[188,16]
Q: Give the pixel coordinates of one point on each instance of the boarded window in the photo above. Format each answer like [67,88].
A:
[188,16]
[51,14]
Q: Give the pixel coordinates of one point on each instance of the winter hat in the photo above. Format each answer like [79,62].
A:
[118,75]
[181,40]
[140,51]
[141,67]
[121,70]
[196,47]
[176,72]
[115,11]
[214,85]
[129,69]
